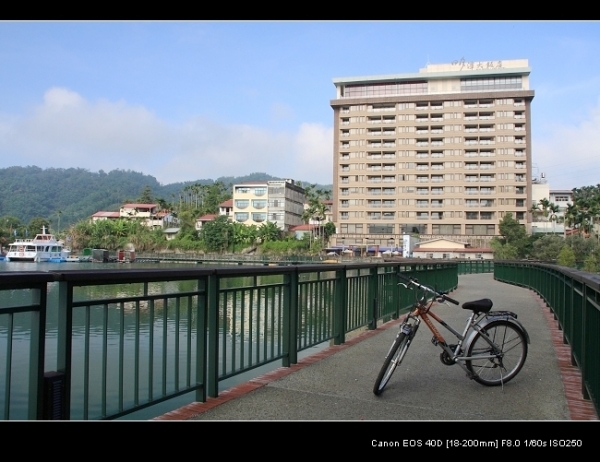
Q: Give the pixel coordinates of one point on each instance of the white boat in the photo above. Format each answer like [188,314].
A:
[43,247]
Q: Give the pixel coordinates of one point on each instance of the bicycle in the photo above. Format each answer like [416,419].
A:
[491,349]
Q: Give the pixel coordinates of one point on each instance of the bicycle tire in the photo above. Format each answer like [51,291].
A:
[513,346]
[392,361]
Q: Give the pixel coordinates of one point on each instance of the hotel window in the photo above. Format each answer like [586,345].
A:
[241,217]
[491,83]
[259,217]
[480,230]
[241,204]
[445,229]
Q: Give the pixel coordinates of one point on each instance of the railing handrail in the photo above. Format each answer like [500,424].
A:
[574,298]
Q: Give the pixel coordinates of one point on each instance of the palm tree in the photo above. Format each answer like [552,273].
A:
[59,213]
[553,210]
[268,231]
[570,215]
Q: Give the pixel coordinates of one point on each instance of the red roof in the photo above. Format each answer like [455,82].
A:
[228,203]
[304,227]
[106,214]
[206,218]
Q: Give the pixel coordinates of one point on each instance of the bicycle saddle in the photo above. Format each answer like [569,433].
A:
[478,306]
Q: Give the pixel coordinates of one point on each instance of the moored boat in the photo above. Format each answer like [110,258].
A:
[42,248]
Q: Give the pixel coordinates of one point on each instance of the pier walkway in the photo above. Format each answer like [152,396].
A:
[336,383]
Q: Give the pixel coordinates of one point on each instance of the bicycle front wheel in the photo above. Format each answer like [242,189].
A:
[510,353]
[392,361]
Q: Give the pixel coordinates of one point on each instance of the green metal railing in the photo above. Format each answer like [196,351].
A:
[475,266]
[574,298]
[128,339]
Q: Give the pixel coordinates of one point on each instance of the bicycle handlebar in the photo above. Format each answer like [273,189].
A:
[412,281]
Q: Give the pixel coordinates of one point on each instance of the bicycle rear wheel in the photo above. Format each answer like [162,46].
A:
[392,360]
[512,346]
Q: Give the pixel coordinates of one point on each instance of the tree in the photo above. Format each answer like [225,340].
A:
[329,229]
[242,235]
[147,197]
[581,246]
[566,257]
[268,231]
[36,225]
[511,230]
[592,262]
[215,194]
[215,234]
[514,241]
[503,251]
[547,247]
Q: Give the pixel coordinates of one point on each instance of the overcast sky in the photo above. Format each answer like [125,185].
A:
[184,101]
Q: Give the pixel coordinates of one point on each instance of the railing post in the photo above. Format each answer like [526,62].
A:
[37,353]
[583,366]
[212,324]
[64,342]
[201,342]
[340,306]
[373,300]
[290,319]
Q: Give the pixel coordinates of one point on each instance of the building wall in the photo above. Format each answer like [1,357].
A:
[442,159]
[280,202]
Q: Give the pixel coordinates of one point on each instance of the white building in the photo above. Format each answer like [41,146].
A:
[277,201]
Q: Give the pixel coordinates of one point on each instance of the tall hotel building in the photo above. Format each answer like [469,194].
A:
[443,153]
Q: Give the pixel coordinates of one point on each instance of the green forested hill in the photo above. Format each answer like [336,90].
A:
[76,193]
